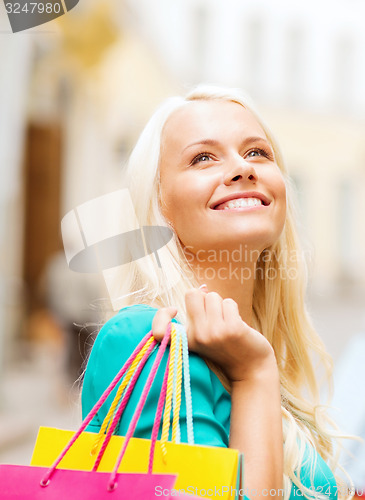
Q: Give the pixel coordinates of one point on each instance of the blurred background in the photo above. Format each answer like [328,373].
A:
[74,95]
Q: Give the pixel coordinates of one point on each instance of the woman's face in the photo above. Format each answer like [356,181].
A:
[220,184]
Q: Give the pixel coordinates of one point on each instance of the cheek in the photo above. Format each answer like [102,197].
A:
[175,197]
[282,199]
[184,195]
[279,186]
[282,191]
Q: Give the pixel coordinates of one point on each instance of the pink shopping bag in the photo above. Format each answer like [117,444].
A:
[24,482]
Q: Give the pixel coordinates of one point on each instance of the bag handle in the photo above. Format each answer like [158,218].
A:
[113,482]
[123,404]
[172,388]
[177,334]
[138,411]
[119,395]
[47,477]
[179,360]
[176,391]
[187,385]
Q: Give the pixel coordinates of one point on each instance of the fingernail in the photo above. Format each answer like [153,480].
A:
[203,286]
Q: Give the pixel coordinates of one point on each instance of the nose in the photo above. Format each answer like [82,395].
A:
[240,169]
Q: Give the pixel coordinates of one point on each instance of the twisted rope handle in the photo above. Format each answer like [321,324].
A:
[157,421]
[122,406]
[176,401]
[169,390]
[149,341]
[48,475]
[119,394]
[187,386]
[177,374]
[112,482]
[177,331]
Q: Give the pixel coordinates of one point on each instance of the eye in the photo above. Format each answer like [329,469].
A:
[257,152]
[202,157]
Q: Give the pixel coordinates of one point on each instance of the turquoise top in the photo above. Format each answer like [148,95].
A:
[211,402]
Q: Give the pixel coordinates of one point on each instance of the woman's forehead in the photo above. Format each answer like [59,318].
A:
[209,118]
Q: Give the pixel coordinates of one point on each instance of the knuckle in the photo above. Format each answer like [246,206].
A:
[201,336]
[200,340]
[230,301]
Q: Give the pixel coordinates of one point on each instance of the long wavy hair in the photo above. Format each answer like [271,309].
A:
[279,309]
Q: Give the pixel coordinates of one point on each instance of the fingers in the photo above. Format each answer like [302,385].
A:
[195,305]
[161,320]
[231,315]
[213,307]
[230,309]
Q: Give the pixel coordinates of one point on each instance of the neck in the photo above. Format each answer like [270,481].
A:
[231,279]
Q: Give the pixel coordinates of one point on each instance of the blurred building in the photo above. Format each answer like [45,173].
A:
[304,65]
[73,101]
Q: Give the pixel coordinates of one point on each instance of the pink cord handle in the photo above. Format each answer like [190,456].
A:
[120,410]
[157,421]
[113,482]
[46,479]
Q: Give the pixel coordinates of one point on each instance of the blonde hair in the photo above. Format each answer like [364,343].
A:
[279,310]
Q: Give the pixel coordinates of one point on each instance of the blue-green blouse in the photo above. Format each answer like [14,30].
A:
[210,401]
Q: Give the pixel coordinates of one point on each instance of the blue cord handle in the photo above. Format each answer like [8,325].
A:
[174,389]
[187,386]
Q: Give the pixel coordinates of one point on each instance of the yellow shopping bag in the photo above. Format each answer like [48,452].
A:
[205,471]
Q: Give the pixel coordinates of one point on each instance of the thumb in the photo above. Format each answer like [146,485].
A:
[203,288]
[161,320]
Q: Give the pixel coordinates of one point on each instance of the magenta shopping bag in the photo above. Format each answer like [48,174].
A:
[24,482]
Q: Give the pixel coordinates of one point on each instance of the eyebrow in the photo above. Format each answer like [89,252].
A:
[213,142]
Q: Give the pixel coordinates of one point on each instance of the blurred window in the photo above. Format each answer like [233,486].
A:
[344,72]
[200,20]
[346,212]
[254,38]
[294,47]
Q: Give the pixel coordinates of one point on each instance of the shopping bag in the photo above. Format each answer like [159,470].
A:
[200,470]
[23,483]
[33,483]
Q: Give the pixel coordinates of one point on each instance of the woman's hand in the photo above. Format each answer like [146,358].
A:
[216,331]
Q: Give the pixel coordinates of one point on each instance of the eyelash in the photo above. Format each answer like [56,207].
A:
[263,152]
[198,157]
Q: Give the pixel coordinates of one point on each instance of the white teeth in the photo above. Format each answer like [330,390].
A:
[240,203]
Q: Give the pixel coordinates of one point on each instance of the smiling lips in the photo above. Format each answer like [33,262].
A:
[242,200]
[239,203]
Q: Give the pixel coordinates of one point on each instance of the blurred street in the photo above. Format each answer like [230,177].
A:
[34,393]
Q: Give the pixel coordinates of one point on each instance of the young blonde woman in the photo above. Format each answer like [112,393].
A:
[233,274]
